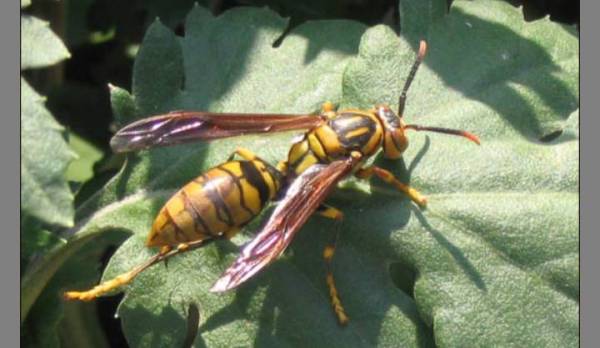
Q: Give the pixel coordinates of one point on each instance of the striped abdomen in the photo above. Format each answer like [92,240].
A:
[346,132]
[221,200]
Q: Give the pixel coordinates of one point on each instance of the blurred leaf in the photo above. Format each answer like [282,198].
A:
[25,3]
[45,156]
[82,169]
[53,322]
[77,16]
[123,105]
[416,17]
[495,254]
[35,241]
[40,47]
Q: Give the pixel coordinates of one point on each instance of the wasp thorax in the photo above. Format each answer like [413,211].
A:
[394,140]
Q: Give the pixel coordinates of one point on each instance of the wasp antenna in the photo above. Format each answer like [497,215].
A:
[411,76]
[450,131]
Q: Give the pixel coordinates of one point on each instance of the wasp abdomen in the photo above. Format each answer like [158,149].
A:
[223,199]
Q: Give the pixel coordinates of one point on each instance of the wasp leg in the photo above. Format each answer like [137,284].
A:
[165,253]
[328,109]
[328,252]
[387,176]
[282,166]
[245,154]
[232,232]
[329,212]
[118,281]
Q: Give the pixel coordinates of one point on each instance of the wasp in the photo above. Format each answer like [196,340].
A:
[335,144]
[215,205]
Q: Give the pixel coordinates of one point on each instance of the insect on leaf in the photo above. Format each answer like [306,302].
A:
[493,261]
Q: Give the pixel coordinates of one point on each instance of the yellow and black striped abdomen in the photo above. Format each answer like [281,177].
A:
[346,132]
[221,200]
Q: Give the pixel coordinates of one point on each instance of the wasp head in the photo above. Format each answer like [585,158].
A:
[394,139]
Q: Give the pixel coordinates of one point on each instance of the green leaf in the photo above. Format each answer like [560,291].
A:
[25,3]
[123,105]
[40,47]
[53,322]
[493,261]
[417,16]
[35,241]
[82,169]
[45,156]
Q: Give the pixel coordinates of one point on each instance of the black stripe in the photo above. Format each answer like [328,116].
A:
[213,194]
[343,128]
[252,174]
[238,183]
[395,141]
[190,208]
[176,227]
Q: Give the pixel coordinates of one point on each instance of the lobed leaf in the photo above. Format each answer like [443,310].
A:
[493,261]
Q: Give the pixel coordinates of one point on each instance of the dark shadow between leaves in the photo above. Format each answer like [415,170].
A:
[403,276]
[460,66]
[456,253]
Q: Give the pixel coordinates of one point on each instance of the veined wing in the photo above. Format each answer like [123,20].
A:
[186,126]
[302,198]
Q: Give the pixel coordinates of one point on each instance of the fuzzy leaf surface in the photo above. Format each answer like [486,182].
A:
[40,47]
[494,259]
[45,156]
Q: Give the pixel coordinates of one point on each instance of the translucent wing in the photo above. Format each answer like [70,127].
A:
[302,198]
[187,126]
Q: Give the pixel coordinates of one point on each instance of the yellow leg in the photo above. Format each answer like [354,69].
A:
[118,281]
[328,252]
[387,176]
[329,212]
[245,154]
[282,166]
[165,253]
[328,109]
[232,232]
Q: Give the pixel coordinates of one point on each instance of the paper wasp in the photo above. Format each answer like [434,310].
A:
[217,204]
[335,145]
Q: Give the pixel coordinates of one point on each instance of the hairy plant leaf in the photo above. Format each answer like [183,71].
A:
[493,261]
[40,47]
[45,156]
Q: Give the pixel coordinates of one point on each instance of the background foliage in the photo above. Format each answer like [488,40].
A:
[492,262]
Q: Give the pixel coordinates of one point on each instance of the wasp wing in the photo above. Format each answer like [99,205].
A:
[302,198]
[187,126]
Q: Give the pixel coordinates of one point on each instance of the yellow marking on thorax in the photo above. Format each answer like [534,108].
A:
[375,140]
[357,132]
[315,146]
[329,140]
